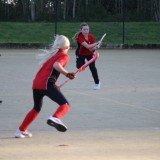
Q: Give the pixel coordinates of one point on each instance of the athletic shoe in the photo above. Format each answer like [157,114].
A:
[97,86]
[22,134]
[57,123]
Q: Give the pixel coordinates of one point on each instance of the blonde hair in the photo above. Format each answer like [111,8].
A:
[60,42]
[76,34]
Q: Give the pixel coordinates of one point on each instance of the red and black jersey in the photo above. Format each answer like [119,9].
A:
[47,73]
[84,51]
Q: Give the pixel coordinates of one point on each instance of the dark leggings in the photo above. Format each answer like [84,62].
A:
[52,92]
[80,61]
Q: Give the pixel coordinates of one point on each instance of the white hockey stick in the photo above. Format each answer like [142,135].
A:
[101,39]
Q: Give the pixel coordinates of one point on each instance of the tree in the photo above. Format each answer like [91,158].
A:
[79,10]
[156,6]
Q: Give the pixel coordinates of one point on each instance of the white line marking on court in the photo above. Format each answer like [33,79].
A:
[115,101]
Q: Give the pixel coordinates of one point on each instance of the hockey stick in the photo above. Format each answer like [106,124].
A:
[101,40]
[103,37]
[82,68]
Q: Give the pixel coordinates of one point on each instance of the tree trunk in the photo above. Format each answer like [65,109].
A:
[64,9]
[157,10]
[74,8]
[118,6]
[33,10]
[86,2]
[25,4]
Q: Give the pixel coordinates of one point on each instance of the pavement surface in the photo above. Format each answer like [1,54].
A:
[121,121]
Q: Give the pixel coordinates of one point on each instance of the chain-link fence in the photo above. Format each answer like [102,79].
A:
[125,21]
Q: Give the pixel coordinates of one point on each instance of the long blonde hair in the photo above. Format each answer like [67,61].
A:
[77,33]
[60,42]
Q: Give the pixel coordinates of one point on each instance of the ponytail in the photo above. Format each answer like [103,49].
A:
[60,42]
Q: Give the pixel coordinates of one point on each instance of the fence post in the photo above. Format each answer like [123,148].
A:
[123,19]
[56,18]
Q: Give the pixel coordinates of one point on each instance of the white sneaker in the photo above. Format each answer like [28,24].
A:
[57,123]
[22,134]
[97,86]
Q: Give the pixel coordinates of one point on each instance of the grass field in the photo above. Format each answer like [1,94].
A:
[43,33]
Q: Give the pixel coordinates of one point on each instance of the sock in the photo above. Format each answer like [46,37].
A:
[61,111]
[30,117]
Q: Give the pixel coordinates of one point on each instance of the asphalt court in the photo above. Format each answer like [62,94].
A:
[119,121]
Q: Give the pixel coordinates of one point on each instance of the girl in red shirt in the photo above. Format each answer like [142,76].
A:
[53,62]
[86,46]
